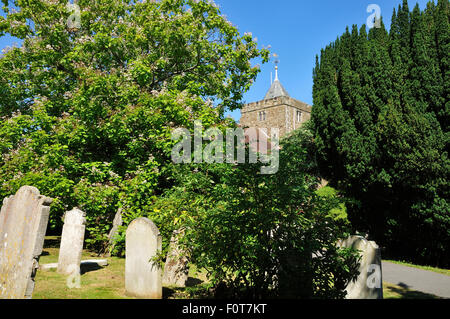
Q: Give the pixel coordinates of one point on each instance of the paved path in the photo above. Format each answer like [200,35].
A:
[416,279]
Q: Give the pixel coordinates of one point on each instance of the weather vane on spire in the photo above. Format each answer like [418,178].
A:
[276,61]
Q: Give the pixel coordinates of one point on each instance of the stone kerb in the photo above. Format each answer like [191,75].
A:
[369,284]
[72,240]
[23,223]
[143,278]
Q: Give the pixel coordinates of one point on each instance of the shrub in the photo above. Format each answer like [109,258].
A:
[260,236]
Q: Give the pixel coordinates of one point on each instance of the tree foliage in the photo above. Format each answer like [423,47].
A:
[87,115]
[260,236]
[381,115]
[87,111]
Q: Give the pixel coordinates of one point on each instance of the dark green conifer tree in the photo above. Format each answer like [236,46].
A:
[442,38]
[380,117]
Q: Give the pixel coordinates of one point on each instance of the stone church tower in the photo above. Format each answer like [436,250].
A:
[277,109]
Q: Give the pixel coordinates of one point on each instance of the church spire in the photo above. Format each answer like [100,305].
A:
[276,66]
[276,89]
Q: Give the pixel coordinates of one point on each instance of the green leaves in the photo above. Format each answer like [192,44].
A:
[380,127]
[256,233]
[92,108]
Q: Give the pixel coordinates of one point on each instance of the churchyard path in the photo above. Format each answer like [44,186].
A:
[416,279]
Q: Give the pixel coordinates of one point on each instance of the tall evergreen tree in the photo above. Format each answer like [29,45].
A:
[383,136]
[442,38]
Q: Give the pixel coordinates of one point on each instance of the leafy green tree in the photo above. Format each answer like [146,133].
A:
[88,109]
[380,120]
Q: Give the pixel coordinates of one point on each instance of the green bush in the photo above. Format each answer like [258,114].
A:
[381,127]
[338,213]
[260,236]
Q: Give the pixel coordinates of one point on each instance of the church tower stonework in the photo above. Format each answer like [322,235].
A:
[277,110]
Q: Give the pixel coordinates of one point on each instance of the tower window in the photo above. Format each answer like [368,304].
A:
[262,116]
[299,116]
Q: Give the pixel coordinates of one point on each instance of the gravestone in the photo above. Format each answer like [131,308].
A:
[142,277]
[23,223]
[176,268]
[117,222]
[72,240]
[369,284]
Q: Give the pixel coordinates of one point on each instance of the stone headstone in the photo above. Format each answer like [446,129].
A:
[142,277]
[23,223]
[369,284]
[117,222]
[176,268]
[72,240]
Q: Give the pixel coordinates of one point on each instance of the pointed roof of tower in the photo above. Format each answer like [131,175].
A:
[276,89]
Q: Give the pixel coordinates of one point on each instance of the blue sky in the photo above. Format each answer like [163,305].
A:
[296,30]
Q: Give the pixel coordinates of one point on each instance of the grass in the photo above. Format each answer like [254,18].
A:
[102,282]
[391,291]
[429,268]
[96,282]
[338,213]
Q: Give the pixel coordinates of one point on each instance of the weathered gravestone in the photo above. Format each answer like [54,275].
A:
[117,222]
[23,223]
[142,276]
[369,284]
[176,268]
[72,240]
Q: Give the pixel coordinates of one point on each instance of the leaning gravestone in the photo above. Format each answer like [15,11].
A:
[369,284]
[142,276]
[72,240]
[117,222]
[23,223]
[176,269]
